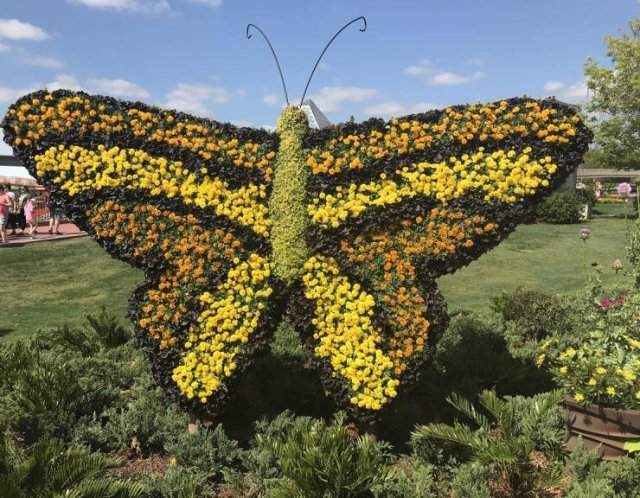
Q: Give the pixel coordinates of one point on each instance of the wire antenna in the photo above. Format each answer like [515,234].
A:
[364,28]
[249,35]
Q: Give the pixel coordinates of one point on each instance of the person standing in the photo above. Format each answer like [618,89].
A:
[11,223]
[5,202]
[54,215]
[21,221]
[30,214]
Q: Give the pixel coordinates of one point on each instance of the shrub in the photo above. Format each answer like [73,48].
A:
[141,422]
[472,355]
[209,451]
[49,470]
[408,478]
[529,317]
[318,460]
[506,442]
[600,363]
[560,208]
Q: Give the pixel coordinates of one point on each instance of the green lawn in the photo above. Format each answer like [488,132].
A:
[50,283]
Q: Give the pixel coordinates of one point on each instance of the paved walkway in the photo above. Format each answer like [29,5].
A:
[67,230]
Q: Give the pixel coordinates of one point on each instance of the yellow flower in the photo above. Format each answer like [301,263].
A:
[578,397]
[540,360]
[611,391]
[563,370]
[601,370]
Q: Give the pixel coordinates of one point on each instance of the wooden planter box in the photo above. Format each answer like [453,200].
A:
[605,430]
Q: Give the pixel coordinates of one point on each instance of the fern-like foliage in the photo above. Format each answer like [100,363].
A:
[501,438]
[48,470]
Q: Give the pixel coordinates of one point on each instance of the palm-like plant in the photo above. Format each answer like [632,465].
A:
[48,470]
[503,440]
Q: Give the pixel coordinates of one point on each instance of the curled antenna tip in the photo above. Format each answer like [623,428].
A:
[249,35]
[363,28]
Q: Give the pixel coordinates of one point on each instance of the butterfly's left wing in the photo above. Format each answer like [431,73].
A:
[182,198]
[393,205]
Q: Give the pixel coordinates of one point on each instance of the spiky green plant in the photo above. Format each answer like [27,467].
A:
[319,460]
[48,470]
[503,440]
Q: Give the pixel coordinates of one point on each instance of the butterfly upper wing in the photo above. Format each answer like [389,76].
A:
[184,199]
[393,205]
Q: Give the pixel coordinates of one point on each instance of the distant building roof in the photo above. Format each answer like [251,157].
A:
[13,173]
[315,116]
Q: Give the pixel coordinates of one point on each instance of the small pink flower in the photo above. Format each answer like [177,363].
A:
[624,188]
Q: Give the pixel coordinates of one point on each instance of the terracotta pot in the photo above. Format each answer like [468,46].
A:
[605,430]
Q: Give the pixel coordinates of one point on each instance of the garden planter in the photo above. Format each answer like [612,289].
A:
[605,430]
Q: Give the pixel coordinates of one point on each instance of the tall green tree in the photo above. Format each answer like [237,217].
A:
[616,100]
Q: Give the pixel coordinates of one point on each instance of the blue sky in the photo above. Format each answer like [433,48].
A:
[193,54]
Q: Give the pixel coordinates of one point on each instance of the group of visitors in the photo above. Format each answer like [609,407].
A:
[18,209]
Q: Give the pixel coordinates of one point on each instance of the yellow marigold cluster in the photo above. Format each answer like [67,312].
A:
[230,316]
[346,336]
[482,122]
[77,169]
[501,176]
[189,253]
[88,115]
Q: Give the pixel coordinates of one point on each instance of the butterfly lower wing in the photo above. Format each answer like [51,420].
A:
[491,162]
[369,321]
[182,198]
[204,310]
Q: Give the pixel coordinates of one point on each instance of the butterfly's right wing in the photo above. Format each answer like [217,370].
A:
[182,198]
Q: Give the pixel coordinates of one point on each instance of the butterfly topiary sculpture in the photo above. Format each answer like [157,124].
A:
[342,230]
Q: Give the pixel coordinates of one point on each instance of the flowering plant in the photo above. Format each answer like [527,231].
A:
[601,364]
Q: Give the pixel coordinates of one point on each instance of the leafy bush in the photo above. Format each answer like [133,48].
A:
[318,460]
[529,317]
[49,470]
[560,208]
[408,478]
[477,347]
[208,451]
[61,377]
[600,363]
[506,441]
[143,421]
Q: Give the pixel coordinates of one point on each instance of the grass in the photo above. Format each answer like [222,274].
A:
[52,283]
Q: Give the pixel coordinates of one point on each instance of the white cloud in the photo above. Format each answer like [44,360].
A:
[396,108]
[271,99]
[141,6]
[42,61]
[427,71]
[112,87]
[4,48]
[241,92]
[330,98]
[576,93]
[64,81]
[195,97]
[207,3]
[9,95]
[553,86]
[118,88]
[448,78]
[13,29]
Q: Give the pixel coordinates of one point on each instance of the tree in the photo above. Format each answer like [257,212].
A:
[616,100]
